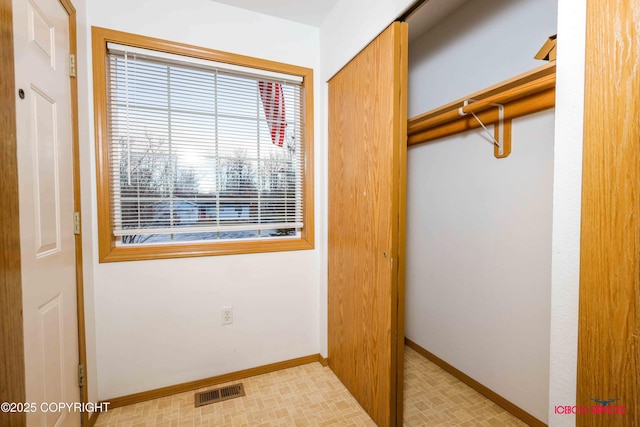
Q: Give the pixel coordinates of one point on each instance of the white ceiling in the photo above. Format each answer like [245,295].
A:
[310,12]
[313,12]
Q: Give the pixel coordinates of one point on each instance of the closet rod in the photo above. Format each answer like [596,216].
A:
[531,88]
[525,94]
[528,89]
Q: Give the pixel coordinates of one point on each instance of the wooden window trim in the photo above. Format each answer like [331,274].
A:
[108,251]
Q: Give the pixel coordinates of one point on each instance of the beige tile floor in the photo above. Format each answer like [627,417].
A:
[432,397]
[311,395]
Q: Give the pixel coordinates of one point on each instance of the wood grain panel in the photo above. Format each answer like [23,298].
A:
[400,126]
[608,352]
[12,381]
[367,155]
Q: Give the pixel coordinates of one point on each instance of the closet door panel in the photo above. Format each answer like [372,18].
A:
[367,158]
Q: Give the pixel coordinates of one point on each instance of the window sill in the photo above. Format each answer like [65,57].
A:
[142,253]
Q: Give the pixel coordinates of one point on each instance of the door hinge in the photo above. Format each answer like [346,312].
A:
[72,65]
[81,375]
[76,223]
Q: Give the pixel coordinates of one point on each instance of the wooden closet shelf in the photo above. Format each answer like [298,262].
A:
[525,94]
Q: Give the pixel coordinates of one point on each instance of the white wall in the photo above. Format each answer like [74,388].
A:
[480,44]
[157,323]
[567,184]
[479,229]
[479,258]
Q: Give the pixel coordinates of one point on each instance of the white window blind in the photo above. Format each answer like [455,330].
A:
[202,151]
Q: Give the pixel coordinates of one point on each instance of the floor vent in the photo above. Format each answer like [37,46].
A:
[219,394]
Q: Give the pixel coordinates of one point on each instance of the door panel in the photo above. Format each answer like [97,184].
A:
[47,199]
[367,154]
[46,193]
[52,353]
[609,312]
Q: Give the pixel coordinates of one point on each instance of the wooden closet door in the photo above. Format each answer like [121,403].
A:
[367,168]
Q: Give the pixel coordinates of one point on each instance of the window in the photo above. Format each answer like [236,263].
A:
[199,152]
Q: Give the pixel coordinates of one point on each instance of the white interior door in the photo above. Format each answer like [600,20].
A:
[45,174]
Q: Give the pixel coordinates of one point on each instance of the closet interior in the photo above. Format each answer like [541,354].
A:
[479,193]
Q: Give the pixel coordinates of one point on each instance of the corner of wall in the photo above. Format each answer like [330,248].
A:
[565,278]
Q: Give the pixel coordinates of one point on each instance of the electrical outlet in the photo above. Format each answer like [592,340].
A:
[227,315]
